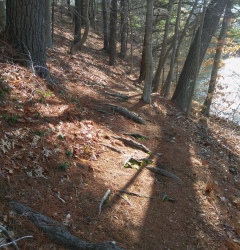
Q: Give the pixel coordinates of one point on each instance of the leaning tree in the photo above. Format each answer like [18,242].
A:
[26,30]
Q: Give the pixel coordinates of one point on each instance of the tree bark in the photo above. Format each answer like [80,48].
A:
[217,59]
[26,30]
[146,97]
[105,25]
[2,16]
[185,84]
[113,33]
[48,22]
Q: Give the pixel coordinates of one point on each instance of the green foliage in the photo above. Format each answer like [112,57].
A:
[61,137]
[69,153]
[40,133]
[11,118]
[64,165]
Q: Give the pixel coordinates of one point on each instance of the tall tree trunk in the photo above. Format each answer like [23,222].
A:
[77,21]
[175,43]
[156,79]
[113,33]
[2,16]
[217,59]
[198,56]
[185,87]
[105,25]
[25,28]
[149,62]
[48,22]
[123,13]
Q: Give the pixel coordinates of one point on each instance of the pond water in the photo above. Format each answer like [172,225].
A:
[226,101]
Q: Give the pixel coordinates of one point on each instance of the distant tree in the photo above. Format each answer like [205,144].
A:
[167,85]
[113,32]
[26,30]
[105,25]
[156,79]
[123,13]
[142,74]
[185,86]
[79,44]
[48,22]
[217,59]
[146,97]
[77,21]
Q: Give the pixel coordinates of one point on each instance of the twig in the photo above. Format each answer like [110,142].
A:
[135,194]
[112,148]
[125,199]
[14,241]
[104,200]
[165,173]
[9,237]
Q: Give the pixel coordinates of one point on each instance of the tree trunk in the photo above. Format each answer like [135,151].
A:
[149,62]
[217,59]
[2,16]
[185,87]
[48,22]
[25,28]
[123,28]
[156,79]
[79,44]
[105,25]
[175,43]
[77,21]
[142,74]
[113,33]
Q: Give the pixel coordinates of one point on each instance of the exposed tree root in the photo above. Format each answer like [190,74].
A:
[58,233]
[125,112]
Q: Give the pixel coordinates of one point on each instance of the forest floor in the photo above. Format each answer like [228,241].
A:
[62,148]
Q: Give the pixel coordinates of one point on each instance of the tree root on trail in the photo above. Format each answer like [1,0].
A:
[134,144]
[125,112]
[164,172]
[58,232]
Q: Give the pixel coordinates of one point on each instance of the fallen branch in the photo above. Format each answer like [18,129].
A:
[121,97]
[165,173]
[14,241]
[15,246]
[103,201]
[134,144]
[125,112]
[59,233]
[113,149]
[137,136]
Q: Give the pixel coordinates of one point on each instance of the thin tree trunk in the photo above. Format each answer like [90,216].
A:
[77,21]
[105,25]
[123,13]
[48,22]
[175,43]
[217,59]
[156,79]
[113,33]
[142,74]
[146,97]
[79,44]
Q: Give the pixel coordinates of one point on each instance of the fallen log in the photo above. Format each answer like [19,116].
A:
[125,112]
[58,232]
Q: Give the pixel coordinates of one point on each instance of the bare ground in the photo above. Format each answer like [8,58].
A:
[60,153]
